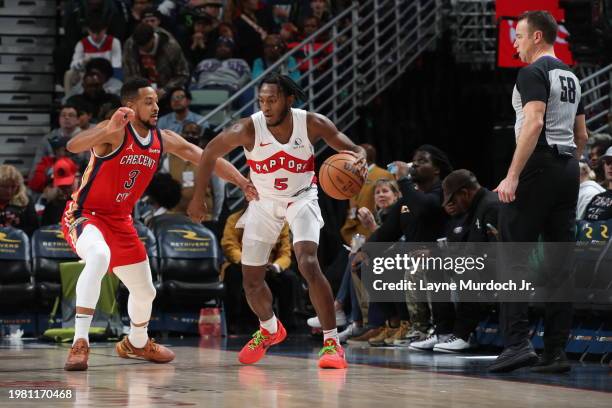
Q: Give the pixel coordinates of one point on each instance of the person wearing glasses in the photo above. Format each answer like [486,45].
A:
[180,99]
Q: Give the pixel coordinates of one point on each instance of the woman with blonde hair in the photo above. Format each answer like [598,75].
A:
[16,208]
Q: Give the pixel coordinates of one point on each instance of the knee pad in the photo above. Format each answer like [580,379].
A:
[137,279]
[255,253]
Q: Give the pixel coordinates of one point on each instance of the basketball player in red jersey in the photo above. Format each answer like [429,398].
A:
[97,222]
[278,143]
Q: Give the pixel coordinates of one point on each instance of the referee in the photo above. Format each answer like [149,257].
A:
[540,191]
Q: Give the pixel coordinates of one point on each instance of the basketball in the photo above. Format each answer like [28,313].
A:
[339,178]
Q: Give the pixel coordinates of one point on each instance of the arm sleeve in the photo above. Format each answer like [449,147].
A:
[532,84]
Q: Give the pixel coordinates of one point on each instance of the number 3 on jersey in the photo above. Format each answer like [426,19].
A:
[131,179]
[281,183]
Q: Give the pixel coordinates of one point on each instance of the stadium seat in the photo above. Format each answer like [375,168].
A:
[189,263]
[49,249]
[16,282]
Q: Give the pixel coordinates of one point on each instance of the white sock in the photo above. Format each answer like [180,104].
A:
[331,334]
[138,335]
[82,322]
[271,325]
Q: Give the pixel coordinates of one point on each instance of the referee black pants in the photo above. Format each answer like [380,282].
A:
[544,208]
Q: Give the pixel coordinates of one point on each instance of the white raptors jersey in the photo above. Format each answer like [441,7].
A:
[281,171]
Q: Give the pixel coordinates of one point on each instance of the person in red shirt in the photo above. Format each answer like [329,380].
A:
[97,222]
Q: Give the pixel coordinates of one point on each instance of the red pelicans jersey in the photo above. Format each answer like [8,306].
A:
[281,171]
[112,184]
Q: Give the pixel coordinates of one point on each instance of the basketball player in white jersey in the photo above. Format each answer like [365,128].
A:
[278,143]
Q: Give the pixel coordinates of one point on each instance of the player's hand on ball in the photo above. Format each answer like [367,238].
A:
[360,166]
[196,210]
[120,119]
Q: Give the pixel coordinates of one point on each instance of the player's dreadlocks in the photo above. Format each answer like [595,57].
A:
[285,84]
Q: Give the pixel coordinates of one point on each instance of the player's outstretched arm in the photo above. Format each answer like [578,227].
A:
[177,145]
[240,134]
[320,127]
[106,132]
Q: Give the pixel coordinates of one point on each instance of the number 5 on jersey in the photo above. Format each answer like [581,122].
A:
[281,183]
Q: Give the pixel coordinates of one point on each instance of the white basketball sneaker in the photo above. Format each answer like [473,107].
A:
[340,320]
[429,342]
[454,344]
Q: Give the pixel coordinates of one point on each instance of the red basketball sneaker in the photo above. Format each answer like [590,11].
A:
[332,355]
[256,348]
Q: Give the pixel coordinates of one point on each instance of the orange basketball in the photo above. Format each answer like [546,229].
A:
[339,178]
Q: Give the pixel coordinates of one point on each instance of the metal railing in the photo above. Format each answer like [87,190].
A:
[348,61]
[597,100]
[474,32]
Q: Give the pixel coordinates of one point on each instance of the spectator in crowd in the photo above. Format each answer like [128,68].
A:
[85,113]
[283,282]
[94,95]
[315,8]
[204,34]
[43,170]
[65,182]
[160,197]
[68,127]
[253,24]
[386,194]
[589,188]
[157,58]
[284,11]
[479,209]
[184,172]
[597,146]
[365,199]
[97,44]
[103,68]
[312,53]
[155,19]
[135,14]
[289,33]
[16,207]
[75,15]
[274,49]
[223,71]
[180,99]
[600,207]
[418,217]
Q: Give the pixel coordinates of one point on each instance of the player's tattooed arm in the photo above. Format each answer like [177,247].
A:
[107,134]
[320,127]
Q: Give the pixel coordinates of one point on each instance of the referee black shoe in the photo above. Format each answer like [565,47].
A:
[555,362]
[514,357]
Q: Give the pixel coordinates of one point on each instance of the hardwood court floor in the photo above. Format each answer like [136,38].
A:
[207,374]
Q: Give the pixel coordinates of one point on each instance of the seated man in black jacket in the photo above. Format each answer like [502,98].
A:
[418,216]
[477,208]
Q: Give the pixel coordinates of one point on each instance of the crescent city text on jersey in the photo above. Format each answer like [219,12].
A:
[140,159]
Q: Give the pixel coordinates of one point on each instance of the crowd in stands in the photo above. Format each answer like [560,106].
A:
[183,45]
